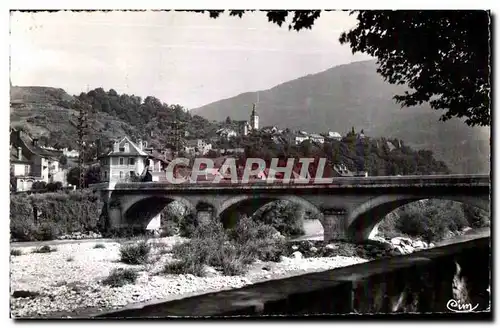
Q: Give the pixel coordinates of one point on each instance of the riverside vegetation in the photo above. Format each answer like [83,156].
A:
[51,215]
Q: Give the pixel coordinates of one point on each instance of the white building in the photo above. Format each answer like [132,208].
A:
[226,133]
[334,136]
[316,138]
[123,161]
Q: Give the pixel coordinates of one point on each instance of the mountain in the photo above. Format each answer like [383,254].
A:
[49,114]
[355,95]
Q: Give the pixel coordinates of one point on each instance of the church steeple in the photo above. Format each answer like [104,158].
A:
[254,119]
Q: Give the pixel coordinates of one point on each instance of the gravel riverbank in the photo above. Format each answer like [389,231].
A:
[69,279]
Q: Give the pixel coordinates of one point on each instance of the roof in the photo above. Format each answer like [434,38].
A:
[134,150]
[314,135]
[14,157]
[157,155]
[27,142]
[334,134]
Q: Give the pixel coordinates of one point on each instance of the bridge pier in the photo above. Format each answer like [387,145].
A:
[205,212]
[335,224]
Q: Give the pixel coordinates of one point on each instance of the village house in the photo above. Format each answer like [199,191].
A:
[226,133]
[30,162]
[125,160]
[334,136]
[316,138]
[300,137]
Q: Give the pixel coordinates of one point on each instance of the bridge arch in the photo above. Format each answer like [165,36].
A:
[365,218]
[249,204]
[139,210]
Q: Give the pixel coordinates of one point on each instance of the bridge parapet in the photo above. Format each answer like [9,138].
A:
[337,183]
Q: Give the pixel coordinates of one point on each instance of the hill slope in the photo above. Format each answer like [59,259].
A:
[47,114]
[355,95]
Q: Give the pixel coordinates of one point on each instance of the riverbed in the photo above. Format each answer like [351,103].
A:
[68,281]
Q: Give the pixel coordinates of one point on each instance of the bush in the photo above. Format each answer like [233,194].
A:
[47,216]
[476,217]
[256,240]
[185,267]
[54,186]
[230,251]
[135,253]
[16,252]
[169,228]
[430,219]
[204,247]
[120,277]
[286,217]
[188,225]
[44,249]
[99,246]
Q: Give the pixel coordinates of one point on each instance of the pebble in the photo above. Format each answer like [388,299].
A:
[69,286]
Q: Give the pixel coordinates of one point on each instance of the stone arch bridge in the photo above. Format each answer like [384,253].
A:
[352,207]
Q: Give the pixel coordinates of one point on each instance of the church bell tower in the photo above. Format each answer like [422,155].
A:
[254,119]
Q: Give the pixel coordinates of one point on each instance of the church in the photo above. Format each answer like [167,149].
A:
[246,126]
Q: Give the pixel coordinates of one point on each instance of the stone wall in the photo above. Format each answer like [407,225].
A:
[423,282]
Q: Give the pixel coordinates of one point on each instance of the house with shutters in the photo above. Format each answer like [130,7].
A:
[125,160]
[30,162]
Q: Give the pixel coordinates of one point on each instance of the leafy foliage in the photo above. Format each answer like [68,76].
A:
[44,249]
[47,216]
[120,277]
[135,253]
[16,252]
[231,251]
[286,217]
[92,175]
[431,52]
[430,219]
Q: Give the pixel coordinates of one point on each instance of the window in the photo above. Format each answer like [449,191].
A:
[121,160]
[131,161]
[122,149]
[121,174]
[127,149]
[131,173]
[105,174]
[26,169]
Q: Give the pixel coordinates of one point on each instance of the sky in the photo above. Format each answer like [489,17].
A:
[178,57]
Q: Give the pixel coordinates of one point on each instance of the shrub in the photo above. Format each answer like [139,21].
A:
[229,251]
[44,249]
[427,219]
[204,246]
[169,228]
[16,252]
[476,217]
[70,259]
[286,217]
[47,216]
[99,245]
[120,277]
[135,253]
[431,219]
[185,267]
[46,231]
[257,240]
[188,225]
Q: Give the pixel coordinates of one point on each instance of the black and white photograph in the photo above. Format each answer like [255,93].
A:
[250,163]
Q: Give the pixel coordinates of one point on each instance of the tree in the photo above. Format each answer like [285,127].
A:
[63,160]
[228,120]
[443,56]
